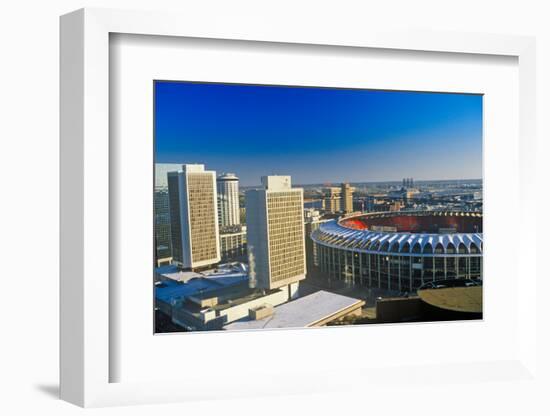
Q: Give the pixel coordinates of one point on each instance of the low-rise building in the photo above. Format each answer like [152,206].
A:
[233,243]
[318,309]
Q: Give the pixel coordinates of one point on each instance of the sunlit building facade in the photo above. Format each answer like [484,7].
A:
[275,233]
[347,198]
[228,199]
[194,217]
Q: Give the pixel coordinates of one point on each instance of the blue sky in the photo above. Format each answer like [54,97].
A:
[319,135]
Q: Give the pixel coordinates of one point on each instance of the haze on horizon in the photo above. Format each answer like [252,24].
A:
[319,135]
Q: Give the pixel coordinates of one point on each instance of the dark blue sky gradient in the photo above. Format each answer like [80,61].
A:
[319,135]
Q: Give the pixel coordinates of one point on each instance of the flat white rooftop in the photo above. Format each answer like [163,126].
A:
[302,312]
[229,271]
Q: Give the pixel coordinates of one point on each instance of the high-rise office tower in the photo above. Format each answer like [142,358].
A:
[163,243]
[275,234]
[194,217]
[347,198]
[228,199]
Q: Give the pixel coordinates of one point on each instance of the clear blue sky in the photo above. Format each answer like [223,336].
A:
[319,135]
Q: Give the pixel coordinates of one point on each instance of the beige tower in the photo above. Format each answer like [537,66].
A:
[275,234]
[194,217]
[347,198]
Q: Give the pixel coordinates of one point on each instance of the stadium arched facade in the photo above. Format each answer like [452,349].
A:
[400,251]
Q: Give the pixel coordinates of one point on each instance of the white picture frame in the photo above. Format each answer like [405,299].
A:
[85,353]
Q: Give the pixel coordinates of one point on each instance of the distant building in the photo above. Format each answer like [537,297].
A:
[332,200]
[161,173]
[228,199]
[163,243]
[194,217]
[233,243]
[347,198]
[275,234]
[396,206]
[311,214]
[242,215]
[408,183]
[312,221]
[405,194]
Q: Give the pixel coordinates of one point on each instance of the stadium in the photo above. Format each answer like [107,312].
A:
[400,251]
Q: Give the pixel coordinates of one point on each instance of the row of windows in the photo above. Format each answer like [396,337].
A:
[395,272]
[202,216]
[286,235]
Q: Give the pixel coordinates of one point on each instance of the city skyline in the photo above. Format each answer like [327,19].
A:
[162,169]
[273,223]
[432,136]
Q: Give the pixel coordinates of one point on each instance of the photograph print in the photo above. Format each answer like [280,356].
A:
[300,207]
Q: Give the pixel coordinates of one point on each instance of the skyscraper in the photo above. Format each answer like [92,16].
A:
[228,199]
[347,198]
[194,217]
[275,234]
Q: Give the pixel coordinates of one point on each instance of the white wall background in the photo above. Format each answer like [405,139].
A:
[29,203]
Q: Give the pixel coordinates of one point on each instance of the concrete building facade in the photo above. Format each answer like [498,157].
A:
[312,221]
[275,233]
[194,217]
[228,199]
[233,243]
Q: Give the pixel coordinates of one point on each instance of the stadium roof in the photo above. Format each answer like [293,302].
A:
[334,234]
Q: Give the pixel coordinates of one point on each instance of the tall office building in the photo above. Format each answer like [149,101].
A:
[194,217]
[163,244]
[228,200]
[347,198]
[275,234]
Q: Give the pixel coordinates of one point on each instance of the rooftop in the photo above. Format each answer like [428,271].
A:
[175,285]
[423,222]
[311,310]
[458,299]
[221,273]
[347,233]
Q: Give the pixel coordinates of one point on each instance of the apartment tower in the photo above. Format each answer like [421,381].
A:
[194,217]
[275,234]
[228,200]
